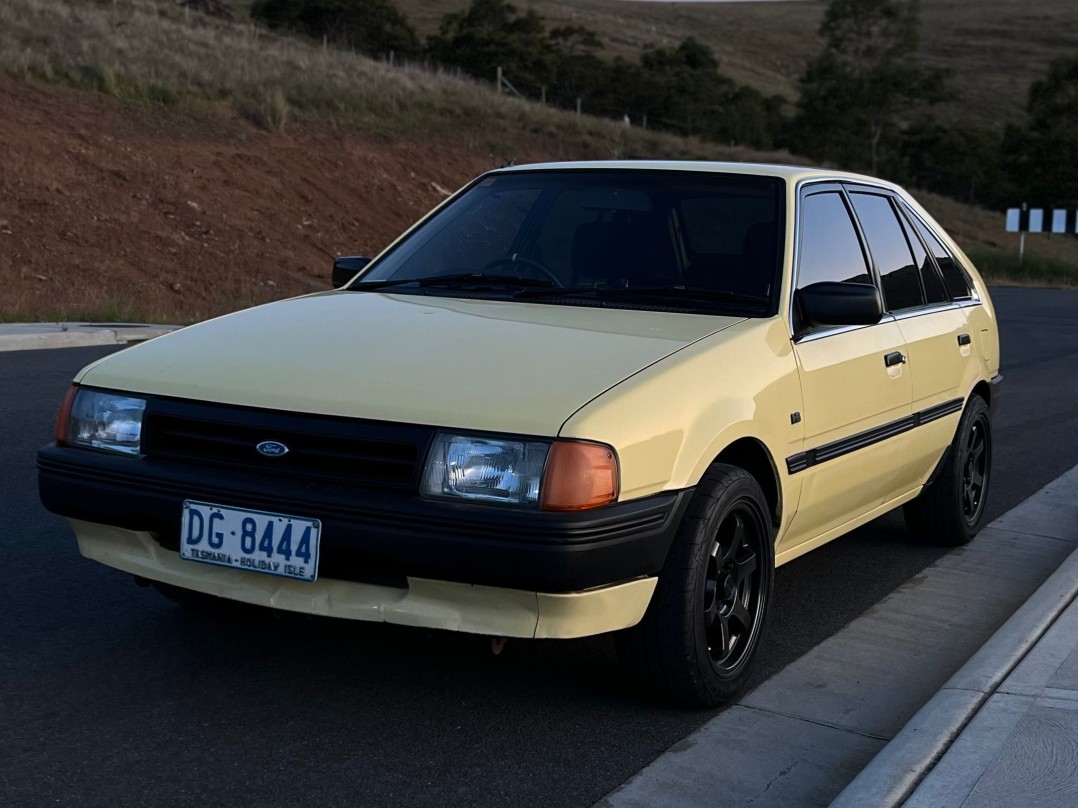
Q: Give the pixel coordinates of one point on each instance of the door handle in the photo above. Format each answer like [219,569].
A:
[894,358]
[964,339]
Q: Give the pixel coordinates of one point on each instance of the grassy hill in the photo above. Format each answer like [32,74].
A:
[993,48]
[216,165]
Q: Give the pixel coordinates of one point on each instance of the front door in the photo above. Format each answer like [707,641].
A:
[856,387]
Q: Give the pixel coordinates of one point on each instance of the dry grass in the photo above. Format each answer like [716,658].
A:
[151,51]
[1051,260]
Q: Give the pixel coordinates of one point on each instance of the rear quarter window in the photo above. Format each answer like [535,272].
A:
[935,292]
[954,277]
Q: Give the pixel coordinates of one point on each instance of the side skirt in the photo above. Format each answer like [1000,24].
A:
[853,524]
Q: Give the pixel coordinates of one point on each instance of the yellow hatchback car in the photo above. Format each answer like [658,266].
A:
[574,399]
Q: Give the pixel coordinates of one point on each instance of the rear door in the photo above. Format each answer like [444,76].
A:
[940,336]
[856,388]
[937,340]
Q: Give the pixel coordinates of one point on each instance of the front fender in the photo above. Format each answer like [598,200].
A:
[670,421]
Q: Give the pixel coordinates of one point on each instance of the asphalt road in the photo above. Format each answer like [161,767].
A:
[110,695]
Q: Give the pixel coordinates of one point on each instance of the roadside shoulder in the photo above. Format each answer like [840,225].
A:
[33,336]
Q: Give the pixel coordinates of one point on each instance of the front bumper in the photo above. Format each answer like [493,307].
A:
[423,603]
[384,538]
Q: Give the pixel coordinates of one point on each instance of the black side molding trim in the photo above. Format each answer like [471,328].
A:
[829,451]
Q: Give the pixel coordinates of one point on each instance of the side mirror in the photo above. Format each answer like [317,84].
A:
[836,303]
[346,267]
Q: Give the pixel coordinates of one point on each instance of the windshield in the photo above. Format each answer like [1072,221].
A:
[680,240]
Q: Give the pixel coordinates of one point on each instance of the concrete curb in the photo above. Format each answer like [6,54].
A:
[33,336]
[891,777]
[862,717]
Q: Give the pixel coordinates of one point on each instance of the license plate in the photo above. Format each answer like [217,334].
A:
[258,541]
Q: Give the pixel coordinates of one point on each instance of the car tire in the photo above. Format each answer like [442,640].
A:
[697,640]
[951,509]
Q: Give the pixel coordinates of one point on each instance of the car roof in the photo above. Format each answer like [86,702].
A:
[789,173]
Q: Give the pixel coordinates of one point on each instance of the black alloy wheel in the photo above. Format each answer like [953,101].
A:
[699,636]
[951,509]
[733,590]
[976,470]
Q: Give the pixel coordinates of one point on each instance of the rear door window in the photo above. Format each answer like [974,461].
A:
[890,250]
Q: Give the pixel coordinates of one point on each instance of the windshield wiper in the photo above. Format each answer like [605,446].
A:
[460,280]
[651,292]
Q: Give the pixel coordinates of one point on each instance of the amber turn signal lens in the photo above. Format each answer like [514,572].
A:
[578,476]
[60,433]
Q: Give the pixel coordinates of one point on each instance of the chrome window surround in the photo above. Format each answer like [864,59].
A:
[906,314]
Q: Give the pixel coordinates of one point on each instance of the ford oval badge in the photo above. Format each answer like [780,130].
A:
[272,448]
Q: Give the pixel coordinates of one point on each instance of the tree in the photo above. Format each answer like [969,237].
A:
[578,72]
[1042,157]
[373,27]
[962,162]
[687,91]
[678,89]
[864,84]
[489,35]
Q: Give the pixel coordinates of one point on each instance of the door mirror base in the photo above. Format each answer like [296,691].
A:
[345,268]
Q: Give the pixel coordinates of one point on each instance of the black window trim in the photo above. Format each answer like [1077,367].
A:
[902,208]
[814,185]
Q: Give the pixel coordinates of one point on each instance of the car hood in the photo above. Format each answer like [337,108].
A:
[477,364]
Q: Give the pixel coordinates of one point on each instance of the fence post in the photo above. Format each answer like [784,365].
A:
[392,56]
[499,80]
[644,123]
[544,96]
[578,109]
[1022,239]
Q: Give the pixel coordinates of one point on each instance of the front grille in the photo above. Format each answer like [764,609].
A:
[337,450]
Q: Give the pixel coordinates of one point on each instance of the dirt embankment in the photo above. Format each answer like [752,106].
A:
[183,213]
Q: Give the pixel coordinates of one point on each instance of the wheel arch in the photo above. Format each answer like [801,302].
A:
[753,456]
[982,389]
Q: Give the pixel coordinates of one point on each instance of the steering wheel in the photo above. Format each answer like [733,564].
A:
[516,258]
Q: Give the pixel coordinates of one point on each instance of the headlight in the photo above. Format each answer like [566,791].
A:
[110,421]
[555,476]
[484,469]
